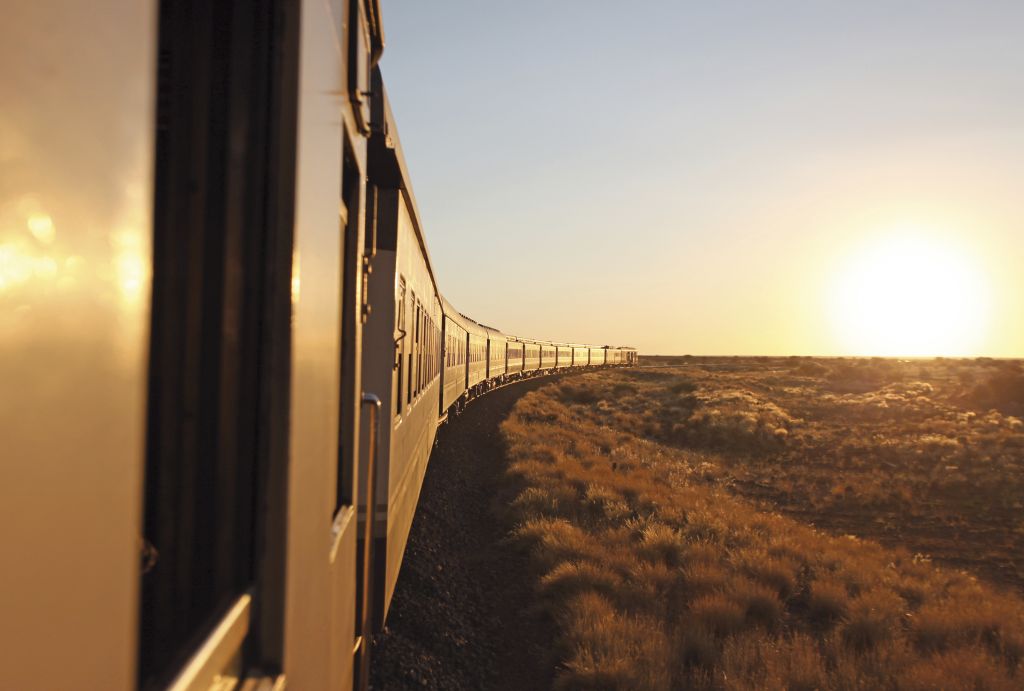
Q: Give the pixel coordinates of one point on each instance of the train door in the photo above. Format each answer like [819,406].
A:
[327,309]
[443,355]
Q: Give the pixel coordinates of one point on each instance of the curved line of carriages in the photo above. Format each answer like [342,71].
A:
[505,359]
[421,356]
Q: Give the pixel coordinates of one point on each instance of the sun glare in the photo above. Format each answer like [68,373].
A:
[911,294]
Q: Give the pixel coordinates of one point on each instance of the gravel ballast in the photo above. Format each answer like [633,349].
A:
[462,616]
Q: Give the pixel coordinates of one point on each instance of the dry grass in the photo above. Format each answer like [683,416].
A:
[659,576]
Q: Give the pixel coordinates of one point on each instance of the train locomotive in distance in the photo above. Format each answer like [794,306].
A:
[217,316]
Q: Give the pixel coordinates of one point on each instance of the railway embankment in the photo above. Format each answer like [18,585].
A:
[463,614]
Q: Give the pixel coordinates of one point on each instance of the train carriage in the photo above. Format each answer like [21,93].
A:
[611,355]
[496,348]
[597,357]
[454,355]
[531,357]
[514,358]
[629,356]
[547,356]
[563,356]
[476,347]
[580,356]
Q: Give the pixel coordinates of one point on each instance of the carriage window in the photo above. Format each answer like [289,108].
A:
[399,341]
[221,290]
[409,373]
[418,351]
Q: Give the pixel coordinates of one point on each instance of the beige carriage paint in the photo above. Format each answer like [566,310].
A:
[76,119]
[319,621]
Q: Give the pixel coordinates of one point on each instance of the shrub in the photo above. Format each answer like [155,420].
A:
[761,603]
[571,578]
[827,601]
[718,614]
[704,577]
[872,618]
[1003,389]
[797,665]
[557,540]
[610,650]
[662,543]
[966,669]
[811,369]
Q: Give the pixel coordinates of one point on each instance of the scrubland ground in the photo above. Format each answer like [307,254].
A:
[669,515]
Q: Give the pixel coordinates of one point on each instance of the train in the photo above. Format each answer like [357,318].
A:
[224,354]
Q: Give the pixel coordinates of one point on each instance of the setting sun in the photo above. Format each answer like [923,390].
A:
[911,294]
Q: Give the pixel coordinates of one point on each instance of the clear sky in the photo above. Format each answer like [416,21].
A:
[815,177]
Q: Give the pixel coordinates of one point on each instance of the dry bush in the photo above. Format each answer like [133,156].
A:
[827,602]
[964,669]
[810,368]
[611,650]
[683,386]
[873,619]
[779,574]
[1003,389]
[557,540]
[550,501]
[705,577]
[797,665]
[793,663]
[761,603]
[570,578]
[662,543]
[718,613]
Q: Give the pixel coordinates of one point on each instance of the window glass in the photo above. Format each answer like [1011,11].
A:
[399,341]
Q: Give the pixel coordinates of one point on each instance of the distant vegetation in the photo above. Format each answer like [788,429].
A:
[667,512]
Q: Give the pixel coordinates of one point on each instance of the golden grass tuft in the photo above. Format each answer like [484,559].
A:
[963,669]
[780,574]
[662,543]
[793,663]
[761,603]
[827,601]
[705,577]
[718,613]
[556,540]
[611,650]
[571,578]
[872,619]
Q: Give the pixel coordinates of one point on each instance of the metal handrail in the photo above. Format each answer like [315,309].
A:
[373,401]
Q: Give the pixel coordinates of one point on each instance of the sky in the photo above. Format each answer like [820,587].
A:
[808,178]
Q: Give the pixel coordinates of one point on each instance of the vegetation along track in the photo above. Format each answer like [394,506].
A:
[461,617]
